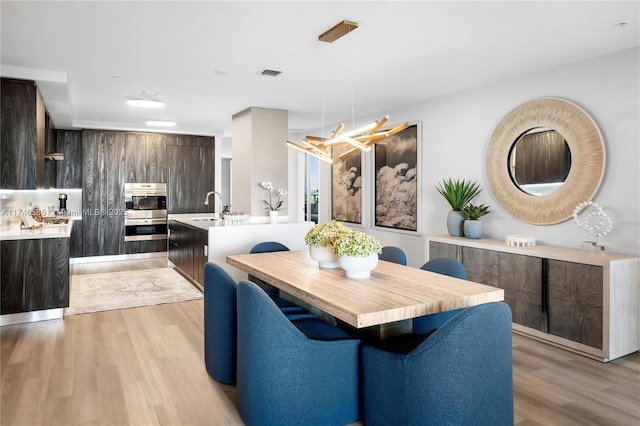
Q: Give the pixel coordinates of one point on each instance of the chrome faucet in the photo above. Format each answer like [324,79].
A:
[210,193]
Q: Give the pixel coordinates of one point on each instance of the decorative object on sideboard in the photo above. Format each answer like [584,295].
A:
[458,194]
[357,253]
[520,240]
[472,224]
[596,223]
[320,238]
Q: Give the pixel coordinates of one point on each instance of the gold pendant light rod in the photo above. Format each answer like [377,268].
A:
[337,31]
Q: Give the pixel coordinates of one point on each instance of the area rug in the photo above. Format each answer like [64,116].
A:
[128,289]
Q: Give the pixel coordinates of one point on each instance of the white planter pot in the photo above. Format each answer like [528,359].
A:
[325,256]
[273,216]
[358,267]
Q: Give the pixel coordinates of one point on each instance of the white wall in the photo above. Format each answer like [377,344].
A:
[259,154]
[456,130]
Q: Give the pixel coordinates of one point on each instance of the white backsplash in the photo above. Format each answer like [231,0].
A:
[11,201]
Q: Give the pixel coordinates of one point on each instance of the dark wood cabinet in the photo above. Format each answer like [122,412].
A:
[50,145]
[190,174]
[519,276]
[22,138]
[103,171]
[145,246]
[581,301]
[188,250]
[575,302]
[146,156]
[181,247]
[69,170]
[200,254]
[75,244]
[35,274]
[109,159]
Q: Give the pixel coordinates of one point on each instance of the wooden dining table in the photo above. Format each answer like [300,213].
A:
[383,304]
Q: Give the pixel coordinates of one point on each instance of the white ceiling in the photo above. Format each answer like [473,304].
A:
[402,53]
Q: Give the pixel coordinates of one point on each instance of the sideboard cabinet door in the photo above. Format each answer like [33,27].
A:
[575,302]
[521,279]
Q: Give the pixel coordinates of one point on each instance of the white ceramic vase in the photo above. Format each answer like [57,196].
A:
[325,256]
[358,267]
[273,216]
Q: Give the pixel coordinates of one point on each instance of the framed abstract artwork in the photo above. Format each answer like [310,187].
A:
[346,186]
[396,180]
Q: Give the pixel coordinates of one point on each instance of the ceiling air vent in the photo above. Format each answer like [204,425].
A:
[270,73]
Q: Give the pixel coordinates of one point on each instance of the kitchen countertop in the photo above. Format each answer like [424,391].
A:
[188,219]
[10,230]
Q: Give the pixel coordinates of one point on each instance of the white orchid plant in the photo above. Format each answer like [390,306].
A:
[271,204]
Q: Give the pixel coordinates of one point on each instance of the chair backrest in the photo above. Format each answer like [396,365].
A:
[220,323]
[463,371]
[286,378]
[393,254]
[446,266]
[268,247]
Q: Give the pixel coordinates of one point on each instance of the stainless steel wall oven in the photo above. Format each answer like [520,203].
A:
[145,211]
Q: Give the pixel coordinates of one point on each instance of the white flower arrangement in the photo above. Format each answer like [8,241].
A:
[604,224]
[270,205]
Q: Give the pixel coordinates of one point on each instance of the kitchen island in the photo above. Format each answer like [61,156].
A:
[224,239]
[35,272]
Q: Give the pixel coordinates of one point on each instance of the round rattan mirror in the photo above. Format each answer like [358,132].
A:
[585,171]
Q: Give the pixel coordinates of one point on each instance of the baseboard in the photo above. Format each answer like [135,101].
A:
[113,258]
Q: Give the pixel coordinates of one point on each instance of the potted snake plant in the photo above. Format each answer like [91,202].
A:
[472,226]
[458,194]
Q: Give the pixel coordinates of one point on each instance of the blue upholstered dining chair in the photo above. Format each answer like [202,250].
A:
[220,323]
[293,372]
[462,374]
[286,305]
[220,319]
[445,266]
[393,254]
[267,247]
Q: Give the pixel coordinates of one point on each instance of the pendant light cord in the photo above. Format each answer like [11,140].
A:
[353,106]
[324,91]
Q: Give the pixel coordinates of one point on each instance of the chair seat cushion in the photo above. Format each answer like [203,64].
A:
[403,343]
[282,303]
[316,329]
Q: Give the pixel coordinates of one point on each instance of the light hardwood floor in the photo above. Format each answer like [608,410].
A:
[145,366]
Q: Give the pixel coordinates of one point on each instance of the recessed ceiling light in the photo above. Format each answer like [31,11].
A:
[161,123]
[145,102]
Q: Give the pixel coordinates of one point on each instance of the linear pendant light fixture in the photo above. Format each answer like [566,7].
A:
[360,139]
